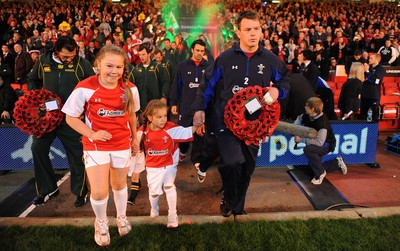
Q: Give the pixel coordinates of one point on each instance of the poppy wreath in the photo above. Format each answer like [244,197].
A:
[251,131]
[31,115]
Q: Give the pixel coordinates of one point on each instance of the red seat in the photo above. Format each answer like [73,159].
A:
[390,88]
[332,85]
[336,95]
[389,99]
[24,87]
[16,86]
[340,80]
[390,111]
[390,79]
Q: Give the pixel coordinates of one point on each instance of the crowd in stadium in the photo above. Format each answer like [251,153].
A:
[337,32]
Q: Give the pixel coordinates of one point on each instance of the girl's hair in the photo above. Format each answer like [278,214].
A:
[357,71]
[153,105]
[113,49]
[316,104]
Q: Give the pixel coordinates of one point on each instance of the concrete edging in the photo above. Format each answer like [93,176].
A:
[353,213]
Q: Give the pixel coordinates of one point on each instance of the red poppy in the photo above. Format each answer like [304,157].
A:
[251,131]
[31,115]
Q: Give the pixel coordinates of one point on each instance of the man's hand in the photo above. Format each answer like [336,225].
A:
[366,67]
[135,146]
[274,93]
[174,110]
[199,118]
[164,100]
[270,96]
[5,115]
[297,139]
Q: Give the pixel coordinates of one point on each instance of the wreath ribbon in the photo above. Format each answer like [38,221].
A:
[251,131]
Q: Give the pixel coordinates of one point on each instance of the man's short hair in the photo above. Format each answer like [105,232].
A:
[308,54]
[65,42]
[247,14]
[357,52]
[199,42]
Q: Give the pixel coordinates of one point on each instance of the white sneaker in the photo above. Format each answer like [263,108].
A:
[172,221]
[341,164]
[182,157]
[101,233]
[319,180]
[154,213]
[124,227]
[201,176]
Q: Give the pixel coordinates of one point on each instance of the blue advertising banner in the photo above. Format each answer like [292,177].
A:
[15,151]
[356,142]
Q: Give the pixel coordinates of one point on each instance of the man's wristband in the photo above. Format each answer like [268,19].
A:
[268,99]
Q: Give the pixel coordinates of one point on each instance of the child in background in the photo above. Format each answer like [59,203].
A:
[322,145]
[159,139]
[109,103]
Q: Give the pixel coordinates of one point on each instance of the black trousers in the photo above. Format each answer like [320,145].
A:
[365,104]
[314,155]
[204,150]
[44,173]
[238,164]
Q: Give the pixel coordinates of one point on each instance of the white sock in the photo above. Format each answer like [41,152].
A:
[99,208]
[171,199]
[120,200]
[154,202]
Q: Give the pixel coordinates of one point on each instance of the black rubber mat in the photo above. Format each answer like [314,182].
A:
[21,199]
[322,197]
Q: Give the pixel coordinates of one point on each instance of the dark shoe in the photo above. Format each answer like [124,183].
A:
[41,199]
[241,213]
[374,165]
[225,211]
[80,201]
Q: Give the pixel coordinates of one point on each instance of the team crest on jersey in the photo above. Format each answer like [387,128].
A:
[60,66]
[152,67]
[47,69]
[123,99]
[165,138]
[261,69]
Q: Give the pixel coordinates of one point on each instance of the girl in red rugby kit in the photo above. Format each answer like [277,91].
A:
[159,139]
[109,102]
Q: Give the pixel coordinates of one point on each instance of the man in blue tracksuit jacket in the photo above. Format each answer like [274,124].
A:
[245,64]
[190,73]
